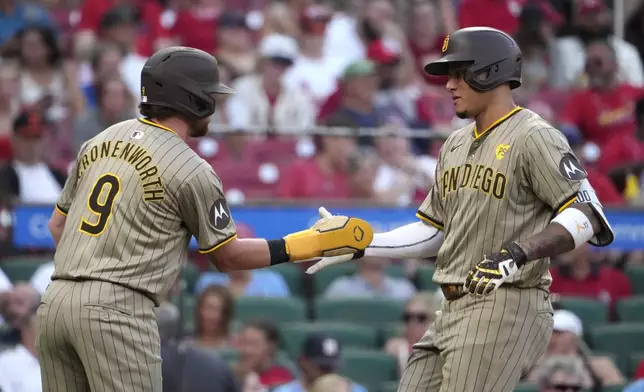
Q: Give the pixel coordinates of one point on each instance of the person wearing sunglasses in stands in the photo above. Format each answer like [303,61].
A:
[561,374]
[419,313]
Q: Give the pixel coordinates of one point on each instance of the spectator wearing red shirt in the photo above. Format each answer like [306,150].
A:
[195,24]
[604,113]
[259,343]
[325,175]
[578,276]
[425,40]
[150,33]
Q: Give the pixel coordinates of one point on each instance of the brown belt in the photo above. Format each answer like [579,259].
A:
[452,292]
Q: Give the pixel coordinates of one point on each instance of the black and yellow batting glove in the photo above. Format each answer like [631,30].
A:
[494,270]
[332,235]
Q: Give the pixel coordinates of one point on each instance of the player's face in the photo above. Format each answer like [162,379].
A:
[467,102]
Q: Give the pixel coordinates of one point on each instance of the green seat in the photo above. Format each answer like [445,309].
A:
[389,387]
[591,313]
[22,269]
[613,388]
[631,309]
[369,367]
[523,387]
[349,335]
[292,274]
[425,275]
[622,340]
[391,330]
[372,311]
[396,270]
[324,278]
[190,276]
[636,277]
[279,310]
[187,305]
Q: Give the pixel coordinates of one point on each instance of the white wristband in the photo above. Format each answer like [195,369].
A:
[577,224]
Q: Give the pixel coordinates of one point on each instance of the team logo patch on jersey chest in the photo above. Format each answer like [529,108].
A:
[570,168]
[501,150]
[219,214]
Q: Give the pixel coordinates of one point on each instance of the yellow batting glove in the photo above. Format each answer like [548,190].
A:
[332,235]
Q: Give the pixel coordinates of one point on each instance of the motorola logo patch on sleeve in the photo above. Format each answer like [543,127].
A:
[219,214]
[571,168]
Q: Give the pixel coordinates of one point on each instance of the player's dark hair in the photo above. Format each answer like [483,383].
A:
[268,328]
[157,112]
[227,308]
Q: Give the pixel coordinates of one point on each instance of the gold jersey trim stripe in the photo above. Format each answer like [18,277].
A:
[567,203]
[61,210]
[497,122]
[429,220]
[152,123]
[219,245]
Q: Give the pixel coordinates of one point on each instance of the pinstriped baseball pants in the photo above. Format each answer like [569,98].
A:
[481,344]
[97,336]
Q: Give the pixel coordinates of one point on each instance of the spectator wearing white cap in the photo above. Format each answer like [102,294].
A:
[261,99]
[567,341]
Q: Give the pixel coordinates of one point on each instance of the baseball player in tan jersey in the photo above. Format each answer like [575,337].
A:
[122,226]
[509,194]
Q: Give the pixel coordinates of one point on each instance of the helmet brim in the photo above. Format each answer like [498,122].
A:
[221,88]
[440,67]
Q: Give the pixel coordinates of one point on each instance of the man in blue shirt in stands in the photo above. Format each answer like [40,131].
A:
[16,15]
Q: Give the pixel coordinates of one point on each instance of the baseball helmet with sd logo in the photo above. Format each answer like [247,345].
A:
[490,56]
[183,79]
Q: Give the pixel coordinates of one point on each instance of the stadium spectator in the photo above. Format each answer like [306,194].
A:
[636,386]
[115,104]
[592,21]
[579,274]
[355,96]
[425,38]
[312,72]
[258,347]
[9,106]
[420,312]
[256,283]
[534,36]
[28,178]
[262,101]
[188,368]
[105,60]
[17,15]
[362,168]
[635,29]
[323,177]
[371,280]
[5,286]
[319,363]
[214,312]
[401,173]
[18,302]
[560,374]
[503,15]
[280,18]
[146,34]
[235,49]
[342,43]
[567,342]
[47,80]
[604,113]
[195,22]
[118,27]
[19,367]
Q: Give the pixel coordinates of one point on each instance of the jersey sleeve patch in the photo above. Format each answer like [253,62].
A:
[219,214]
[570,168]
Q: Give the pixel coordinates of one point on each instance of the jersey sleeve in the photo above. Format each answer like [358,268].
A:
[431,210]
[205,212]
[551,169]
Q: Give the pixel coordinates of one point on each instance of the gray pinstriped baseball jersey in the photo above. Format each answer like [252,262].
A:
[136,194]
[503,185]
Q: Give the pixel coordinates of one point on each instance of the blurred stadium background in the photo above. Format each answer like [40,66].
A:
[332,108]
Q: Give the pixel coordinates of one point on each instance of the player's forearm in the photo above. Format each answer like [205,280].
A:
[56,226]
[242,254]
[415,240]
[555,239]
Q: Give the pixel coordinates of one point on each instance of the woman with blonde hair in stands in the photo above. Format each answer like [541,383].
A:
[420,312]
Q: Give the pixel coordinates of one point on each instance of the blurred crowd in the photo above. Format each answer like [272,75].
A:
[331,101]
[331,104]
